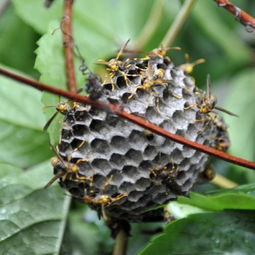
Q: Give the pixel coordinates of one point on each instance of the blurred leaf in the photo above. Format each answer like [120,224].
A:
[242,197]
[85,237]
[209,19]
[228,232]
[241,129]
[36,15]
[141,234]
[17,55]
[22,141]
[32,220]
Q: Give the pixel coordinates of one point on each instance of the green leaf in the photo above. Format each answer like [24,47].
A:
[36,15]
[22,141]
[86,234]
[228,232]
[180,210]
[210,20]
[32,219]
[50,63]
[21,55]
[241,129]
[242,197]
[21,104]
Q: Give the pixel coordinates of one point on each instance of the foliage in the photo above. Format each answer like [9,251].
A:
[38,221]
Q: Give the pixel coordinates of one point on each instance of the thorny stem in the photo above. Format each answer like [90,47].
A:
[151,24]
[241,15]
[68,45]
[223,182]
[178,23]
[131,117]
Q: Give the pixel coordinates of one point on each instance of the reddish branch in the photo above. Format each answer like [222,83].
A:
[133,118]
[241,15]
[68,45]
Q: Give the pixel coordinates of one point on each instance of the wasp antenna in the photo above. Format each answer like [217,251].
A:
[102,62]
[48,106]
[55,150]
[53,179]
[226,111]
[46,126]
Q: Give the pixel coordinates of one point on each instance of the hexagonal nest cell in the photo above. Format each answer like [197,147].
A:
[121,169]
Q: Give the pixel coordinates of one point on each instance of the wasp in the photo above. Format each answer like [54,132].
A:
[207,101]
[65,169]
[208,173]
[117,67]
[104,201]
[63,108]
[162,51]
[222,142]
[189,66]
[101,198]
[167,175]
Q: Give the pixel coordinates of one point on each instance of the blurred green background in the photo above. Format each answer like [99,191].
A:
[30,43]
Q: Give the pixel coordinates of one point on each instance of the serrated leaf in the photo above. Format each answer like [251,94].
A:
[32,219]
[228,232]
[242,197]
[50,63]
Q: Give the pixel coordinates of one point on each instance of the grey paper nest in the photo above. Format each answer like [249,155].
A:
[119,168]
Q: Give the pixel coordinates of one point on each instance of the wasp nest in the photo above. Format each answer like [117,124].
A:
[121,169]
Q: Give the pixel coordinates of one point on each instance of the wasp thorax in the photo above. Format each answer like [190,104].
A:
[119,168]
[62,107]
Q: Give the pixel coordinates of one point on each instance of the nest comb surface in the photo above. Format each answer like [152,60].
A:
[123,169]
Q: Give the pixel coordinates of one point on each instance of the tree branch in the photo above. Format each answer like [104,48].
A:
[133,118]
[241,15]
[66,26]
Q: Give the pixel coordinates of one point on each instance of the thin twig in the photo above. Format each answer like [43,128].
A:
[178,23]
[4,5]
[133,118]
[223,182]
[150,25]
[241,15]
[68,45]
[121,242]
